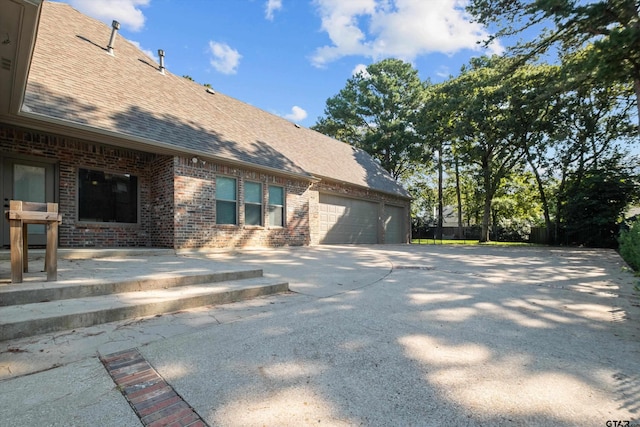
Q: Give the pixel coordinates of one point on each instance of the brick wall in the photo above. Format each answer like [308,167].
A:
[195,213]
[70,154]
[176,197]
[161,226]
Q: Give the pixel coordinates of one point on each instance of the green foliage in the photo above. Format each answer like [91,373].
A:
[596,202]
[515,142]
[377,112]
[629,245]
[497,109]
[607,28]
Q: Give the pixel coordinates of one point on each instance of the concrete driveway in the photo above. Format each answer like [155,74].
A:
[374,336]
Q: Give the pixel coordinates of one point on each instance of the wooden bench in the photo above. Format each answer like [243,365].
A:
[20,215]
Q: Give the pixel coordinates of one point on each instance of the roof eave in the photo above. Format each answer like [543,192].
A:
[75,130]
[25,15]
[363,187]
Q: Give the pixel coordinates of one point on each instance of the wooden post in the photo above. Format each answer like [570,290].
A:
[51,254]
[16,236]
[25,246]
[21,214]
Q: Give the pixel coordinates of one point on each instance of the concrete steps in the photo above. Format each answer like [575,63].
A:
[33,309]
[26,293]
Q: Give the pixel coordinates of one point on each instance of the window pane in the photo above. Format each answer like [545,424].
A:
[29,186]
[28,183]
[107,197]
[253,214]
[225,188]
[275,216]
[225,212]
[276,195]
[252,192]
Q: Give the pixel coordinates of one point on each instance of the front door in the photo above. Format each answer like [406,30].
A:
[29,181]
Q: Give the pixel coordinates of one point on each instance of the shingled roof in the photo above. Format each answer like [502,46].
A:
[74,80]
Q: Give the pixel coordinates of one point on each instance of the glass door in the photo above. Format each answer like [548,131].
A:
[28,181]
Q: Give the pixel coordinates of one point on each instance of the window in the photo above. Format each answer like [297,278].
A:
[107,197]
[226,200]
[252,203]
[276,206]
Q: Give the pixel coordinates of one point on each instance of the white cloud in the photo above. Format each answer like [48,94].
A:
[225,59]
[297,114]
[401,29]
[126,12]
[360,68]
[271,7]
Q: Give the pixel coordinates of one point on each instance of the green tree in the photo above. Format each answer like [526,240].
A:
[377,111]
[487,132]
[437,123]
[594,125]
[516,206]
[608,30]
[596,203]
[629,244]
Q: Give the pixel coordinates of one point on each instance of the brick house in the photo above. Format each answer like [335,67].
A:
[137,156]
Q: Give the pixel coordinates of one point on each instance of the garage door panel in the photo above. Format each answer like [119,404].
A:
[394,223]
[345,220]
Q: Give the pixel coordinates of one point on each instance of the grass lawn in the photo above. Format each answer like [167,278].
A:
[466,242]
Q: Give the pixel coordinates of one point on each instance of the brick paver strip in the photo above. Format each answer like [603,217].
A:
[155,402]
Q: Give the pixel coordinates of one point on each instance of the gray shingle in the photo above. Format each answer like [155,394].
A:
[73,78]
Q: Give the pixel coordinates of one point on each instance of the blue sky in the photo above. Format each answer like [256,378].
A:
[288,56]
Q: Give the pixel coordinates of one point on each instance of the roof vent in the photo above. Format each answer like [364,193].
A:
[161,55]
[115,26]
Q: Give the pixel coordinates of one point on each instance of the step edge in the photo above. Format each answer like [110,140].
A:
[64,292]
[49,324]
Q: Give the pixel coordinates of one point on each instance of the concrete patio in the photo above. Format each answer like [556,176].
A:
[374,335]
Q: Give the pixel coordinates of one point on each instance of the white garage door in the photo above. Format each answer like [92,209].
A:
[394,224]
[344,220]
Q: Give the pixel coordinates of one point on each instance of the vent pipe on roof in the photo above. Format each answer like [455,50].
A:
[161,55]
[115,26]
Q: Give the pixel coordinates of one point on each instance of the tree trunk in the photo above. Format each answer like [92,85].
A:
[440,194]
[488,195]
[486,217]
[543,199]
[636,86]
[559,200]
[459,200]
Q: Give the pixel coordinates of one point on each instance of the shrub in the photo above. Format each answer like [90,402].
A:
[629,245]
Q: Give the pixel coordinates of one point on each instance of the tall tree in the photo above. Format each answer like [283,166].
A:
[596,202]
[487,133]
[377,111]
[437,124]
[610,29]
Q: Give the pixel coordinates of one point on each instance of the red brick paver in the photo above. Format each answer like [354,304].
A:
[155,402]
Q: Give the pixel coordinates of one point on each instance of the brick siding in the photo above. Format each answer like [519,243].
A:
[195,216]
[176,197]
[71,154]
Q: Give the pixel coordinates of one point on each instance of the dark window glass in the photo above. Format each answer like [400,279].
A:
[276,206]
[107,197]
[252,203]
[226,191]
